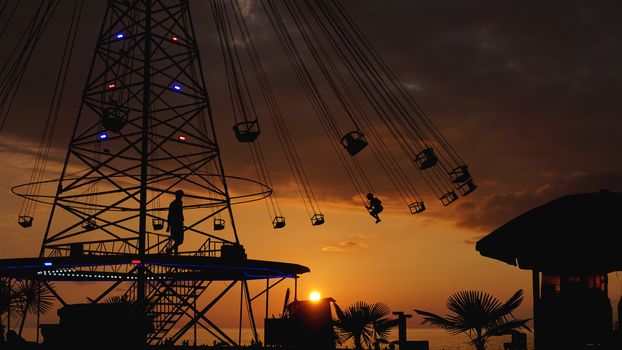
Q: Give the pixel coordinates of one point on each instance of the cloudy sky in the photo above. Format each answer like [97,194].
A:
[527,92]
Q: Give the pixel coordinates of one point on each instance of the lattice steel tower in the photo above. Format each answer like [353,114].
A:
[143,131]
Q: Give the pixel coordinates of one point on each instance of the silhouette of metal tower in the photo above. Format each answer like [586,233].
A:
[144,130]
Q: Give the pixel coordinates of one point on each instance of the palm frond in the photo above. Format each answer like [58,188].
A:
[473,302]
[360,321]
[118,299]
[383,327]
[510,305]
[472,309]
[35,297]
[479,315]
[507,327]
[338,311]
[441,322]
[378,311]
[5,295]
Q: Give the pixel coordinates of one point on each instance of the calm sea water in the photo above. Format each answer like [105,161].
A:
[439,339]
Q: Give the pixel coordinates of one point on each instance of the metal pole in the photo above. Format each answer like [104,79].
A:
[267,296]
[267,303]
[195,315]
[8,319]
[251,316]
[296,288]
[145,131]
[535,279]
[142,221]
[401,316]
[241,304]
[38,311]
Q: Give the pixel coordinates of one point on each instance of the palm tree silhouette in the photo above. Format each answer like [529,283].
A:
[119,299]
[33,297]
[479,315]
[364,323]
[6,294]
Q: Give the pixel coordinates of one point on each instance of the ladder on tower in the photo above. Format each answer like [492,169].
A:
[169,301]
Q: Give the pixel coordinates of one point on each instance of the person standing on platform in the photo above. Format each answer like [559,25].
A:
[176,222]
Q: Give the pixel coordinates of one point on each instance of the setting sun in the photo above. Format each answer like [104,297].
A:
[314,296]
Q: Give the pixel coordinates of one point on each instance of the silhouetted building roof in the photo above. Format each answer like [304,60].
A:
[573,233]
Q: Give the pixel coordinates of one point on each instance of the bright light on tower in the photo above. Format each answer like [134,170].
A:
[315,296]
[119,36]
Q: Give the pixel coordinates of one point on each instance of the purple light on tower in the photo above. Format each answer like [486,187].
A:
[176,87]
[120,36]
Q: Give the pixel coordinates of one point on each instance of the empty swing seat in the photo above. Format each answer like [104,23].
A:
[114,118]
[416,207]
[278,222]
[460,174]
[353,142]
[219,224]
[426,159]
[89,225]
[317,219]
[157,223]
[467,187]
[24,221]
[247,131]
[448,198]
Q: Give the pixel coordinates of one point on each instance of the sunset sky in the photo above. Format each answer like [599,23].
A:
[527,92]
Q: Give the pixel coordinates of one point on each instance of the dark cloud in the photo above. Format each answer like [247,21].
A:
[519,88]
[494,210]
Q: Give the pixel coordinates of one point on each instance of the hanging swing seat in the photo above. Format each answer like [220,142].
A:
[24,221]
[278,222]
[219,224]
[460,174]
[426,159]
[448,198]
[353,142]
[89,225]
[317,219]
[467,187]
[247,131]
[416,207]
[157,223]
[114,118]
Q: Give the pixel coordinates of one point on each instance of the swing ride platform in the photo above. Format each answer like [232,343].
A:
[161,268]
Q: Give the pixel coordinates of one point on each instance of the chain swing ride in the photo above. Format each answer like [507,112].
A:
[145,128]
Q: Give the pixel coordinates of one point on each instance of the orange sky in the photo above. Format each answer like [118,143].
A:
[527,101]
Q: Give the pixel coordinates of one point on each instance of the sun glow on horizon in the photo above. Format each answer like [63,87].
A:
[315,296]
